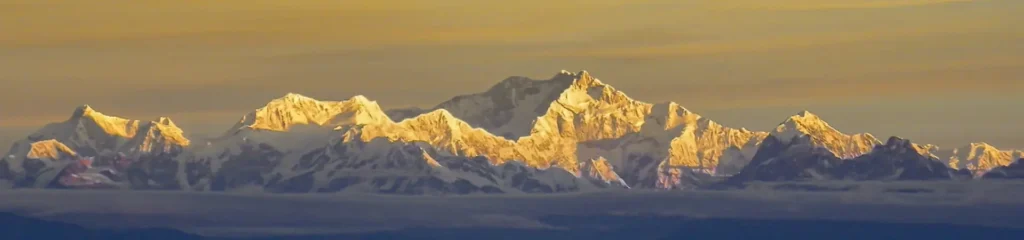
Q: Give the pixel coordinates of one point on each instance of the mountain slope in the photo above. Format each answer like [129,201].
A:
[673,142]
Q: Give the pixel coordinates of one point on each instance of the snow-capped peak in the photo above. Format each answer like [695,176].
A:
[807,118]
[295,109]
[363,100]
[295,97]
[581,79]
[91,133]
[823,134]
[807,115]
[517,106]
[979,157]
[116,125]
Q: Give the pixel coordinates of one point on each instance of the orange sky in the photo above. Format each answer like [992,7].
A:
[936,71]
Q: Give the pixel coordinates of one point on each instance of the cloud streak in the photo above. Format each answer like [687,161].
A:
[817,5]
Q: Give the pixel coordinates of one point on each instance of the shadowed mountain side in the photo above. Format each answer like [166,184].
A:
[1012,171]
[800,159]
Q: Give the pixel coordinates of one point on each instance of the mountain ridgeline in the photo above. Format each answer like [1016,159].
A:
[568,133]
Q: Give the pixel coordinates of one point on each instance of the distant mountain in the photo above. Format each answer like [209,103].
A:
[571,132]
[980,157]
[91,133]
[898,159]
[1012,171]
[802,159]
[794,159]
[822,134]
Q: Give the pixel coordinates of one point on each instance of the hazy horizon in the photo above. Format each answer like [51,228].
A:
[945,72]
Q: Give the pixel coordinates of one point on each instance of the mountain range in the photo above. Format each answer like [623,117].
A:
[568,133]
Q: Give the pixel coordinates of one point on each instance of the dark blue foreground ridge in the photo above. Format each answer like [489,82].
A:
[567,227]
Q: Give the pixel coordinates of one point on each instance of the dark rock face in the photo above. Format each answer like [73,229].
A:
[795,160]
[247,167]
[798,160]
[897,159]
[141,170]
[1012,171]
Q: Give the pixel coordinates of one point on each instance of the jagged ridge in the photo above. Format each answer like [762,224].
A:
[574,108]
[821,133]
[91,133]
[800,158]
[436,130]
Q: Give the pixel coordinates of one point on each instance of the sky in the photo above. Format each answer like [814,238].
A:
[946,72]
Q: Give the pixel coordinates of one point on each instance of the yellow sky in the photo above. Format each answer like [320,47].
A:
[205,63]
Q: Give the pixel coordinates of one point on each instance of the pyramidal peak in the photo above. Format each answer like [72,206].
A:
[803,122]
[440,115]
[585,80]
[581,79]
[806,117]
[823,134]
[513,107]
[362,100]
